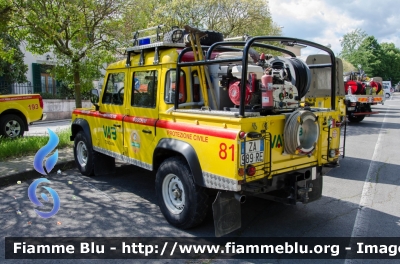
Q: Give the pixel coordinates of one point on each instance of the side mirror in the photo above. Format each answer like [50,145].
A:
[94,98]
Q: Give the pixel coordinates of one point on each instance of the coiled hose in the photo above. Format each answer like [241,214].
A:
[298,73]
[301,133]
[302,76]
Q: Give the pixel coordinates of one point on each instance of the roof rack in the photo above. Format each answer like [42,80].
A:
[140,44]
[146,39]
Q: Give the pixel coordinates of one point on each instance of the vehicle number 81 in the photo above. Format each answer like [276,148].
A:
[224,151]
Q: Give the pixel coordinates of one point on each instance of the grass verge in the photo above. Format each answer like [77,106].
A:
[11,148]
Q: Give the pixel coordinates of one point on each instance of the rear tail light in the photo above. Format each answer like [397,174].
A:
[353,104]
[250,170]
[41,101]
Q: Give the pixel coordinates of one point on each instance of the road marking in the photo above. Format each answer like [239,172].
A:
[360,228]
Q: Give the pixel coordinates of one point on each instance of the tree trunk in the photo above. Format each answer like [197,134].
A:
[77,83]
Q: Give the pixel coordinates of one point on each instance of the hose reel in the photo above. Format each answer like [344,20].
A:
[301,133]
[298,72]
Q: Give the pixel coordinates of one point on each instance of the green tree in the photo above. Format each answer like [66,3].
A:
[136,15]
[390,66]
[12,67]
[347,66]
[74,30]
[230,17]
[350,44]
[5,13]
[368,55]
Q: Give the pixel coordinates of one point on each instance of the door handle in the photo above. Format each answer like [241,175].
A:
[146,131]
[116,125]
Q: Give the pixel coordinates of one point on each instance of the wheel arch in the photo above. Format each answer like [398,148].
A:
[167,147]
[80,124]
[17,113]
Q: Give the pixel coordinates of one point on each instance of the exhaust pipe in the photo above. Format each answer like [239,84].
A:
[240,198]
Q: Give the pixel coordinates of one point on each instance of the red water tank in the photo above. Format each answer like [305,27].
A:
[352,85]
[376,85]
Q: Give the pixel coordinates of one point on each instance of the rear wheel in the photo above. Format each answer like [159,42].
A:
[83,153]
[182,202]
[356,119]
[387,95]
[11,126]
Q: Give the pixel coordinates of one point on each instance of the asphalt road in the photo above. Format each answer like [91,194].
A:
[360,199]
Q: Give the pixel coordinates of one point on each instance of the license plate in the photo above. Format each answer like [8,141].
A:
[253,152]
[351,108]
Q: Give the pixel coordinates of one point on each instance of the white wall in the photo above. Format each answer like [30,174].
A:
[30,58]
[61,109]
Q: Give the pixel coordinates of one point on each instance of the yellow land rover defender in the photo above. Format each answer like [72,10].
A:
[215,118]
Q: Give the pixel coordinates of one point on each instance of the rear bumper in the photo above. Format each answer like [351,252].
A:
[364,113]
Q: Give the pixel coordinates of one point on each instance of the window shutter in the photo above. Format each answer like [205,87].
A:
[37,82]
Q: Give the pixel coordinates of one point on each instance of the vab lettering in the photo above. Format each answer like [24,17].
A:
[110,132]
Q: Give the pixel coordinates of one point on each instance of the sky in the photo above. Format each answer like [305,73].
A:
[326,21]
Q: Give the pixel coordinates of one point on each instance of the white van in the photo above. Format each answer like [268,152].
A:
[387,89]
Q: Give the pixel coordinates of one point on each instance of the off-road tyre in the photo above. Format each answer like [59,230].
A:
[183,203]
[356,119]
[84,154]
[11,126]
[168,36]
[211,38]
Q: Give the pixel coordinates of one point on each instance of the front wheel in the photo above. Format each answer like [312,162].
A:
[182,202]
[356,119]
[12,126]
[83,153]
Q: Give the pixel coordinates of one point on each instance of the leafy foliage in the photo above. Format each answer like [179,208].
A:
[78,32]
[12,67]
[231,18]
[84,35]
[390,62]
[351,42]
[347,66]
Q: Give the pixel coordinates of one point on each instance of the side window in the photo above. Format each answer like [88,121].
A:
[170,87]
[144,87]
[114,90]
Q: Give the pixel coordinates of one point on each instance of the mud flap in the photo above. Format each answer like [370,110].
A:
[103,164]
[227,213]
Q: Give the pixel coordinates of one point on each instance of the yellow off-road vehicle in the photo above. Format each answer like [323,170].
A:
[17,111]
[215,119]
